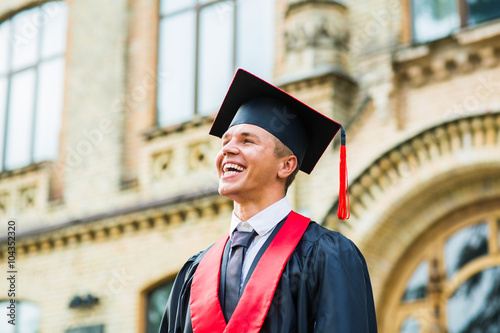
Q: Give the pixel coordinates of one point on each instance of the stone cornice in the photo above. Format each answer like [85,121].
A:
[315,74]
[298,4]
[466,50]
[197,121]
[478,33]
[153,215]
[401,161]
[27,169]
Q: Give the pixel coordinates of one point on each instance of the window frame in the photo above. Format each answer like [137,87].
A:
[19,305]
[197,8]
[11,73]
[463,14]
[430,246]
[145,296]
[237,49]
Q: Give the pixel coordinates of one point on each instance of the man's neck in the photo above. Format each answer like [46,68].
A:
[246,210]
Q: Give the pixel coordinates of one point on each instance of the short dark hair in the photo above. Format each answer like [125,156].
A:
[281,150]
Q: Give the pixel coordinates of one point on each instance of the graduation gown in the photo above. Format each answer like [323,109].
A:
[324,287]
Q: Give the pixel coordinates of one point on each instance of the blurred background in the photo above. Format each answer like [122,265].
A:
[107,168]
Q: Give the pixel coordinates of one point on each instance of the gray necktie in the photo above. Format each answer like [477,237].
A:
[239,243]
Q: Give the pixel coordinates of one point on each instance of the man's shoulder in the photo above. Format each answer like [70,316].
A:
[323,239]
[315,232]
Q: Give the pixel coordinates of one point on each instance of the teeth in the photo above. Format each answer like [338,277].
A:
[232,166]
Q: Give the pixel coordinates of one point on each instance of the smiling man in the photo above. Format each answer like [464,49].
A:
[276,270]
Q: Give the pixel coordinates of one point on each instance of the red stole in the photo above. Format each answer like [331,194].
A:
[249,315]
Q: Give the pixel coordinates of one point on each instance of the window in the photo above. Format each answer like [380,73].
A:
[434,19]
[27,316]
[475,305]
[410,325]
[201,43]
[416,286]
[454,283]
[32,46]
[156,302]
[465,246]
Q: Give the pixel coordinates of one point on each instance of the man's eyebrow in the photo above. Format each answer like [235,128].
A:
[245,134]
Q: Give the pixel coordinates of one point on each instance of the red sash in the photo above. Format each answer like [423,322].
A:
[249,315]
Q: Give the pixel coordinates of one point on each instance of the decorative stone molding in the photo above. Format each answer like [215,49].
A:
[157,215]
[316,34]
[197,121]
[423,64]
[160,164]
[468,48]
[27,197]
[200,155]
[403,161]
[478,33]
[25,190]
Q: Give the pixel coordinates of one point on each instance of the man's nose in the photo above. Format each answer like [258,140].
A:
[230,148]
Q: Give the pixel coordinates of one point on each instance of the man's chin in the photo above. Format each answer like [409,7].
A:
[227,190]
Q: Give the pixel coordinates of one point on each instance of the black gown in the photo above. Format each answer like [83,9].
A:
[324,287]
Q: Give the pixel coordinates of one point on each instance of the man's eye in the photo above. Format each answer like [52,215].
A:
[248,141]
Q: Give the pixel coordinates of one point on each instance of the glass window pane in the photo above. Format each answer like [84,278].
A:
[49,109]
[410,325]
[176,68]
[157,300]
[417,285]
[216,58]
[465,246]
[475,305]
[255,42]
[25,38]
[29,321]
[483,10]
[5,327]
[433,19]
[4,46]
[20,121]
[54,30]
[170,6]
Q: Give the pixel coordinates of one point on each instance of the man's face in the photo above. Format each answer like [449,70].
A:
[246,164]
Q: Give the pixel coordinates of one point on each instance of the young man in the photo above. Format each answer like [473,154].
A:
[276,271]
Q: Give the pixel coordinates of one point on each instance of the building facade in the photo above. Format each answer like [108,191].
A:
[107,170]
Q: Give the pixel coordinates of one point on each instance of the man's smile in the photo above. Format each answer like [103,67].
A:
[231,169]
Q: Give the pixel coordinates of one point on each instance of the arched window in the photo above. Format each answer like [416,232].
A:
[32,47]
[200,44]
[451,280]
[156,302]
[27,317]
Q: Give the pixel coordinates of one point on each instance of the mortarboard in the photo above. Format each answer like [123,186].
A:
[251,100]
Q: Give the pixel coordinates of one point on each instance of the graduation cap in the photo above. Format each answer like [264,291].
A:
[251,100]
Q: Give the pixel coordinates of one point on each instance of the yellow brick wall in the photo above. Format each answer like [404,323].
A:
[386,93]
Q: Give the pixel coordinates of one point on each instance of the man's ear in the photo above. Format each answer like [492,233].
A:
[287,166]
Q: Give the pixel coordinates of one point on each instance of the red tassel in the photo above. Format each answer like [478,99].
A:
[344,211]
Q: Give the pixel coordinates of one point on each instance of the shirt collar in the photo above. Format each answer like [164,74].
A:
[265,220]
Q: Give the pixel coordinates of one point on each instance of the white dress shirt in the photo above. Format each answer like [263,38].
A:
[263,223]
